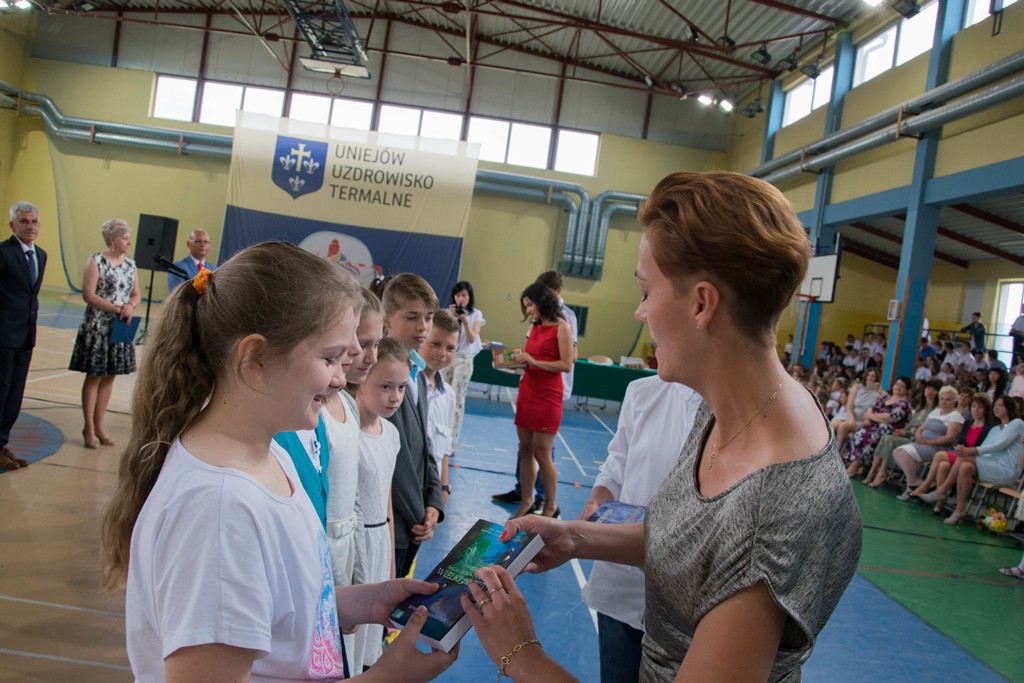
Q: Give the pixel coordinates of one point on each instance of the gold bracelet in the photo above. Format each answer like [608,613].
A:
[507,659]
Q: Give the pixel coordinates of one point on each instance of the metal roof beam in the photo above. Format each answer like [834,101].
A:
[870,253]
[872,230]
[799,10]
[981,214]
[980,246]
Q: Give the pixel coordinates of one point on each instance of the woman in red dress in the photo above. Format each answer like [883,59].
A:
[548,353]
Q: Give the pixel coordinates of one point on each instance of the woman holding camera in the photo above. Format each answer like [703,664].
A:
[471,319]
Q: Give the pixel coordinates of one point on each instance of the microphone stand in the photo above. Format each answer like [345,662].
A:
[169,267]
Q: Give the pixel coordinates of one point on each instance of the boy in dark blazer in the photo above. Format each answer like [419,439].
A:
[409,306]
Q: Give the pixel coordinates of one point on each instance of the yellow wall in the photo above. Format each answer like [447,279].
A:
[509,241]
[16,32]
[978,140]
[500,268]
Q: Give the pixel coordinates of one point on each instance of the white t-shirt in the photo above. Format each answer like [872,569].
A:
[654,422]
[218,558]
[440,417]
[567,377]
[466,347]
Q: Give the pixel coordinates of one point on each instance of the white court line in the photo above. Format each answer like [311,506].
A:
[56,352]
[40,603]
[594,415]
[572,455]
[62,374]
[67,660]
[580,579]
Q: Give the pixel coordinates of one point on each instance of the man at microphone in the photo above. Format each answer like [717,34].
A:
[198,246]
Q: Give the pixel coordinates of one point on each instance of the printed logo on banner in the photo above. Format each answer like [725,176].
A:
[299,165]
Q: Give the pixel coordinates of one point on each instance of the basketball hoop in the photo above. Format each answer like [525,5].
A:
[335,84]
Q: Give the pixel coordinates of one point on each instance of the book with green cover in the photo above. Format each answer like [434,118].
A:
[446,621]
[502,358]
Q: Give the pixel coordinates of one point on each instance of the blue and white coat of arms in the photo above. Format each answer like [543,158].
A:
[299,165]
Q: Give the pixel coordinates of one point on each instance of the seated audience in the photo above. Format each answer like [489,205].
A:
[996,460]
[882,460]
[1017,385]
[946,373]
[862,396]
[889,413]
[939,430]
[978,426]
[997,383]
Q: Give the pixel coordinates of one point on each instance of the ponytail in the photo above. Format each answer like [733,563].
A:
[173,385]
[273,289]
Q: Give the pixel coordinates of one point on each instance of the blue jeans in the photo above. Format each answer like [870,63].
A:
[539,487]
[619,646]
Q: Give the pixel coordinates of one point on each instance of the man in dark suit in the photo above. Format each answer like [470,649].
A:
[198,247]
[21,272]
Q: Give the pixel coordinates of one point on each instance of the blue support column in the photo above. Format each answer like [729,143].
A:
[822,235]
[922,221]
[773,121]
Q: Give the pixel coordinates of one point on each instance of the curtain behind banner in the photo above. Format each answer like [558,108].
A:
[374,203]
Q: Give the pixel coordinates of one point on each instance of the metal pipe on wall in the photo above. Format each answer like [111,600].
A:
[924,122]
[944,93]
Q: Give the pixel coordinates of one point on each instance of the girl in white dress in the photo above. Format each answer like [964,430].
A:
[223,557]
[341,420]
[379,396]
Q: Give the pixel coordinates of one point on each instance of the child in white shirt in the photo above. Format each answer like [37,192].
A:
[438,351]
[225,562]
[378,395]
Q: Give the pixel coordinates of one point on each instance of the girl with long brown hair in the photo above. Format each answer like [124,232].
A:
[224,559]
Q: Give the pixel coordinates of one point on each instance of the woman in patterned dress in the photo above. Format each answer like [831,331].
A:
[110,288]
[887,415]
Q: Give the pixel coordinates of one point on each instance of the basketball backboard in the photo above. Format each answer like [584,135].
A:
[820,280]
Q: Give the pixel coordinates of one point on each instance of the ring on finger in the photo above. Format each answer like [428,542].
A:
[494,590]
[481,603]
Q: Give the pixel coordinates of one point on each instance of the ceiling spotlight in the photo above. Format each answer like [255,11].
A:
[725,105]
[762,56]
[694,34]
[757,106]
[810,70]
[3,5]
[906,8]
[648,82]
[873,3]
[748,111]
[727,42]
[705,99]
[789,63]
[23,4]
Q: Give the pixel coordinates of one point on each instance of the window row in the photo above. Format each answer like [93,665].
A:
[500,141]
[897,45]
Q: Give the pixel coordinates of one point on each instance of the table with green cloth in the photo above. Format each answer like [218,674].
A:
[592,380]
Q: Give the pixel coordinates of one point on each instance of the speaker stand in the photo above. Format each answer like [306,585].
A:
[149,302]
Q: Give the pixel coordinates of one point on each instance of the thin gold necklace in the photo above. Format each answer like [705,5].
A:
[714,451]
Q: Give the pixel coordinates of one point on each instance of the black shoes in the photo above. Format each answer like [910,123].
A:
[512,496]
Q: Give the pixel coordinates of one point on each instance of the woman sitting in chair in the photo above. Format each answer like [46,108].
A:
[997,460]
[887,415]
[974,433]
[938,432]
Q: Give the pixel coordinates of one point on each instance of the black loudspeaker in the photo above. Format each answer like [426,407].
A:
[156,238]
